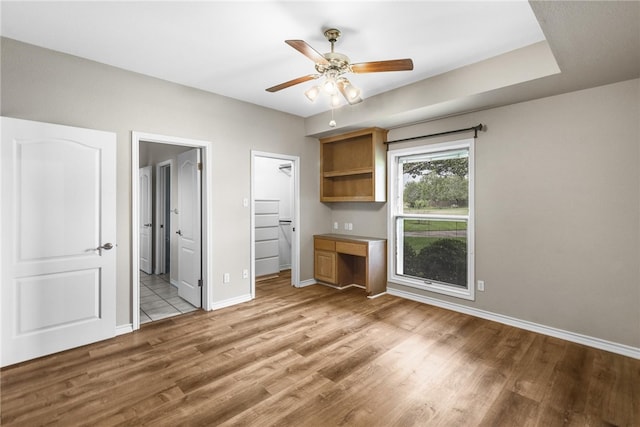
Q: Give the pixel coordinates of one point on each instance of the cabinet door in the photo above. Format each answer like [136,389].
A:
[325,266]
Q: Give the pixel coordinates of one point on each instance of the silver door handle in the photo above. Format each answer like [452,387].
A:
[106,247]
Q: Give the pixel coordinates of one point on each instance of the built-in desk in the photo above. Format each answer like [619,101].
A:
[343,260]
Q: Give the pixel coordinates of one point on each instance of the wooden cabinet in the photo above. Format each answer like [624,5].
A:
[325,266]
[351,260]
[353,167]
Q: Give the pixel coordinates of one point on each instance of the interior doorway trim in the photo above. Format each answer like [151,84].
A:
[295,235]
[207,217]
[161,201]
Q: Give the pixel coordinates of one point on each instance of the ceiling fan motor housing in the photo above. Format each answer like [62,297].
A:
[338,63]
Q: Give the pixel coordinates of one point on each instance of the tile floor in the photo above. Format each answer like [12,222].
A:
[159,299]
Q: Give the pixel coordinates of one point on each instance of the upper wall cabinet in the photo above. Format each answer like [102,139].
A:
[353,167]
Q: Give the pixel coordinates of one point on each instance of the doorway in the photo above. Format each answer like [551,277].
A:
[169,225]
[174,222]
[275,195]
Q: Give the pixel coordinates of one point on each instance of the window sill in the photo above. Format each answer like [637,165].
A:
[453,291]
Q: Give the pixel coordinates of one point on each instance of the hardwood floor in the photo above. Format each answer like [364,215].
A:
[321,357]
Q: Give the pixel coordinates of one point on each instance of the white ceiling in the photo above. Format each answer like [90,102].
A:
[237,48]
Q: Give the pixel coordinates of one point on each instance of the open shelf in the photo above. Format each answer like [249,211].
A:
[359,171]
[353,167]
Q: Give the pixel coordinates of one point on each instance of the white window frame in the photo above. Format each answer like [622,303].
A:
[394,210]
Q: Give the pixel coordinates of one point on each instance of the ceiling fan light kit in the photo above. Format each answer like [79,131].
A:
[312,93]
[332,66]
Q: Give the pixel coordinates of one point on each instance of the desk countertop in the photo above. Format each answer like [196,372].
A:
[348,237]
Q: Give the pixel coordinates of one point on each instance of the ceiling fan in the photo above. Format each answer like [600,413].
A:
[333,66]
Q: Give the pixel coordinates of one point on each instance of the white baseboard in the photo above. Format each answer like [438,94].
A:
[231,301]
[598,343]
[124,329]
[306,283]
[342,288]
[376,295]
[353,285]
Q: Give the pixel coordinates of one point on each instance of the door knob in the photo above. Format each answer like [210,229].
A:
[179,232]
[106,247]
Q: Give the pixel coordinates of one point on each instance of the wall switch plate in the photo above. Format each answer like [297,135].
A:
[346,225]
[245,274]
[226,278]
[245,202]
[481,285]
[350,226]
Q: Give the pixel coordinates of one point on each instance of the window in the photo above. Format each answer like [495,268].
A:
[431,218]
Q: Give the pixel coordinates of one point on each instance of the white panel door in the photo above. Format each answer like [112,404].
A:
[189,227]
[145,219]
[58,230]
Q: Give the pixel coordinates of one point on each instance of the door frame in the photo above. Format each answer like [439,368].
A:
[161,181]
[207,216]
[295,236]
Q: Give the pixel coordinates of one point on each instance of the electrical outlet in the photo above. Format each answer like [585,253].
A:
[245,274]
[336,225]
[481,285]
[226,278]
[346,225]
[350,226]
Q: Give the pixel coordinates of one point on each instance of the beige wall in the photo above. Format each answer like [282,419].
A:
[557,210]
[48,86]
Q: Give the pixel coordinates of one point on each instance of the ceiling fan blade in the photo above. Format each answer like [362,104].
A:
[378,66]
[292,82]
[343,84]
[304,48]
